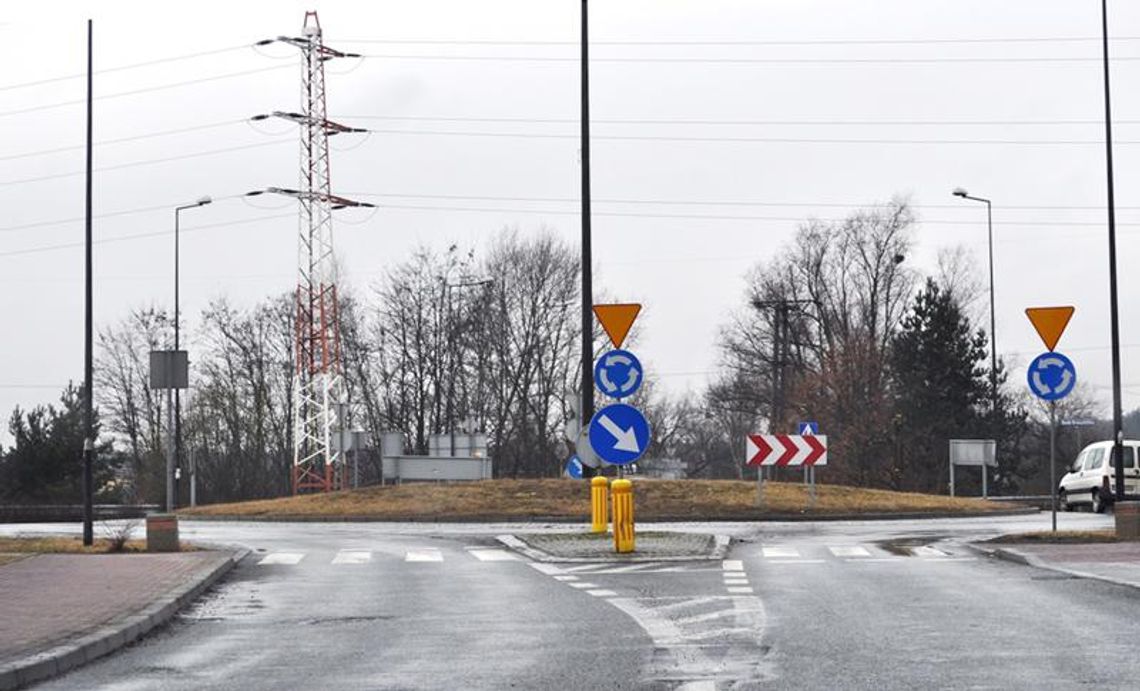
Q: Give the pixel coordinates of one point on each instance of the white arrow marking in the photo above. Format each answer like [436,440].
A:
[631,381]
[1051,362]
[620,359]
[1066,380]
[609,385]
[1040,384]
[626,439]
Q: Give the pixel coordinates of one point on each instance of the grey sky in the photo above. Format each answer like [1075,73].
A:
[768,63]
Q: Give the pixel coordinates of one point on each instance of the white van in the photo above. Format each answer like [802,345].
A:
[1092,479]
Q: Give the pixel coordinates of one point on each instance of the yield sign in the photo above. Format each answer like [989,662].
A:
[785,449]
[616,320]
[1050,322]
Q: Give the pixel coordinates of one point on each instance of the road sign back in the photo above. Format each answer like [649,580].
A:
[617,319]
[1050,322]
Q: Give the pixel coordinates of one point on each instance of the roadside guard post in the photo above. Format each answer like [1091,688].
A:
[599,515]
[623,516]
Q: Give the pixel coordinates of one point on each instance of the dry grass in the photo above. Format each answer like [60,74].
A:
[1059,537]
[9,558]
[655,499]
[65,545]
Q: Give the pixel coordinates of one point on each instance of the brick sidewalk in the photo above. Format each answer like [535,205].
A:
[49,599]
[1114,562]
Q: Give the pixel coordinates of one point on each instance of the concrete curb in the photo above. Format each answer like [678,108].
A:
[111,637]
[1015,557]
[718,552]
[584,520]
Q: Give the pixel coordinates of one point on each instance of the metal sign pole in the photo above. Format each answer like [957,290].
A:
[985,473]
[1053,458]
[760,486]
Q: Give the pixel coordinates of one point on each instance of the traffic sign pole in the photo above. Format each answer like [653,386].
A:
[1053,458]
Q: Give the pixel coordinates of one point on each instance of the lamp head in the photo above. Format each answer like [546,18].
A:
[960,192]
[204,201]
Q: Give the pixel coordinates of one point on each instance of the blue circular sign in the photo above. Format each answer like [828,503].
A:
[619,434]
[618,374]
[574,468]
[1051,376]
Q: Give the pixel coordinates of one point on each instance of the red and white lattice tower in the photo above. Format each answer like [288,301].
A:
[318,389]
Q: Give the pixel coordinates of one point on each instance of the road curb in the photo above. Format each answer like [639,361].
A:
[584,520]
[58,659]
[1029,560]
[719,551]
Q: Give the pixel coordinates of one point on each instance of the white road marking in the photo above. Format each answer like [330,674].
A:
[630,568]
[796,561]
[352,556]
[718,614]
[849,551]
[584,567]
[492,554]
[602,593]
[780,552]
[875,560]
[428,554]
[927,551]
[548,569]
[736,581]
[702,685]
[739,590]
[732,565]
[290,558]
[565,578]
[583,585]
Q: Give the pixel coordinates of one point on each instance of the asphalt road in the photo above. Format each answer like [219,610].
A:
[852,605]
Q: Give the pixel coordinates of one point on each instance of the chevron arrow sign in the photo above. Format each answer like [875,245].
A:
[785,449]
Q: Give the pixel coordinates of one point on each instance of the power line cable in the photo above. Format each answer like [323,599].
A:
[121,68]
[145,90]
[682,121]
[147,162]
[754,42]
[122,140]
[752,61]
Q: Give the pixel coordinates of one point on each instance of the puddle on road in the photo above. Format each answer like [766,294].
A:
[902,546]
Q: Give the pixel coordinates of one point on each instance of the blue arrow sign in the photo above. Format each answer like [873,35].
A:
[617,374]
[1051,376]
[619,434]
[574,468]
[809,428]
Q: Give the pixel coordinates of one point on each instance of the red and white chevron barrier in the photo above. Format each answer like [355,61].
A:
[785,449]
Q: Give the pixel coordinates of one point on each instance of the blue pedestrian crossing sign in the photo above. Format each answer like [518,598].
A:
[619,434]
[574,467]
[1052,376]
[809,429]
[617,374]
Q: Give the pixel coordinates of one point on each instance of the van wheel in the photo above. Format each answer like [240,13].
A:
[1097,504]
[1063,501]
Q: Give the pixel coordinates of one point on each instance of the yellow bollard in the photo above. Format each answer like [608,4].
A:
[599,516]
[623,516]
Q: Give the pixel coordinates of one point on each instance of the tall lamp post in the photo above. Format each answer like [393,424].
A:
[173,501]
[959,192]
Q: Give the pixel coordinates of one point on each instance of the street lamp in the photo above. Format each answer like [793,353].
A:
[173,500]
[959,192]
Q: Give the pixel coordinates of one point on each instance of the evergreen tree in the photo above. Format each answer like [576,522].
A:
[941,389]
[45,465]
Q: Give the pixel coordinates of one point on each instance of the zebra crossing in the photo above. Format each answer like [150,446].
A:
[857,554]
[348,557]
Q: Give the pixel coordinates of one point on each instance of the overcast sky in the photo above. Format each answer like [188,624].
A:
[718,127]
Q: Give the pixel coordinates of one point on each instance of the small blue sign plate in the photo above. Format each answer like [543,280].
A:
[574,468]
[619,434]
[809,429]
[617,374]
[1051,376]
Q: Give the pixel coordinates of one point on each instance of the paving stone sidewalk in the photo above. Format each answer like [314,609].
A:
[650,546]
[1114,562]
[61,610]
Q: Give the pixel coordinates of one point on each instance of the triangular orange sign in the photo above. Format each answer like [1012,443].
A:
[616,320]
[1050,322]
